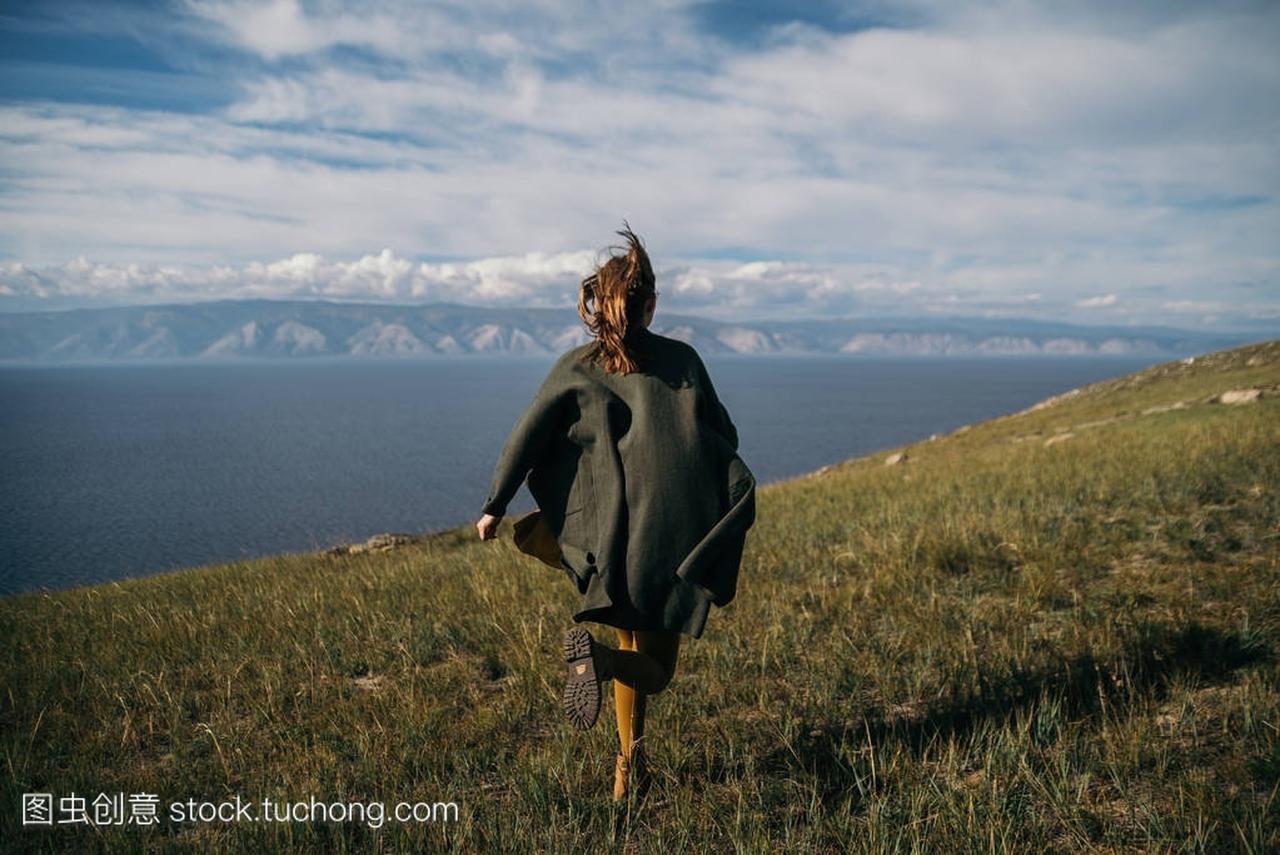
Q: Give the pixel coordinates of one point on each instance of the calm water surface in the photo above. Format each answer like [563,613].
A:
[114,471]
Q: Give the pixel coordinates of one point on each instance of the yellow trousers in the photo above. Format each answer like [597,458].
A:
[642,665]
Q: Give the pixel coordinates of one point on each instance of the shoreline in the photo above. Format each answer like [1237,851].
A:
[462,529]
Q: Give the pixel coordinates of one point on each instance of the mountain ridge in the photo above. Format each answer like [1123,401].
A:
[232,329]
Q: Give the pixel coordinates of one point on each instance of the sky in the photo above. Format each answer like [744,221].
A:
[1094,162]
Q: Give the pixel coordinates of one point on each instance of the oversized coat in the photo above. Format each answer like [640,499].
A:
[639,478]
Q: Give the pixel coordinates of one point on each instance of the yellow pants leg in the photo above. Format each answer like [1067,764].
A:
[643,664]
[624,697]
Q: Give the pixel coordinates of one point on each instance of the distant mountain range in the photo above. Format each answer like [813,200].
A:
[229,329]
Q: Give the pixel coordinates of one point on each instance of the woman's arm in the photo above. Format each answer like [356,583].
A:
[527,443]
[717,416]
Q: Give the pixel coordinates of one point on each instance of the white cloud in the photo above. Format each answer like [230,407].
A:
[992,160]
[1038,84]
[711,288]
[281,28]
[532,279]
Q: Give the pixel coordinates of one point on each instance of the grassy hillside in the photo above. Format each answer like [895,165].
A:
[1057,630]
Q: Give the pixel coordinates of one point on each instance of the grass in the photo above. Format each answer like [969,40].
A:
[1000,644]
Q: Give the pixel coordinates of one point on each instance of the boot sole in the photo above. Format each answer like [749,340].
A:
[581,698]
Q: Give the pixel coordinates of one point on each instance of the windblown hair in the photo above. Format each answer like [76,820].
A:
[611,304]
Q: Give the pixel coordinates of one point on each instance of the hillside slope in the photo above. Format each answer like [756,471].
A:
[1055,630]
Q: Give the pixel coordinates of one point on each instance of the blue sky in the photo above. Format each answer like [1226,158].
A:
[1100,163]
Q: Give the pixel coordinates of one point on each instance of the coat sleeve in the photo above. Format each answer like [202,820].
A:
[528,442]
[716,415]
[714,563]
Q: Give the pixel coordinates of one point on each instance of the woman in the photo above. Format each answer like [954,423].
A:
[641,494]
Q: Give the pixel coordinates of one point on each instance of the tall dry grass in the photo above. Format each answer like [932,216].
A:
[1001,644]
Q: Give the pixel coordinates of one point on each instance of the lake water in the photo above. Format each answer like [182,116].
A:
[114,471]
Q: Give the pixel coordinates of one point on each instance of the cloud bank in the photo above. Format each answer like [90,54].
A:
[1092,164]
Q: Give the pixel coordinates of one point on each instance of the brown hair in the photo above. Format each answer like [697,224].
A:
[618,289]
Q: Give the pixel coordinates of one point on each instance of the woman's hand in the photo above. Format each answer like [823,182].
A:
[488,526]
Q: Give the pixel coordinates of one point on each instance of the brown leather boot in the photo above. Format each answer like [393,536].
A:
[581,695]
[640,777]
[621,772]
[631,773]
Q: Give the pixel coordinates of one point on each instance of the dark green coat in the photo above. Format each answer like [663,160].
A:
[639,478]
